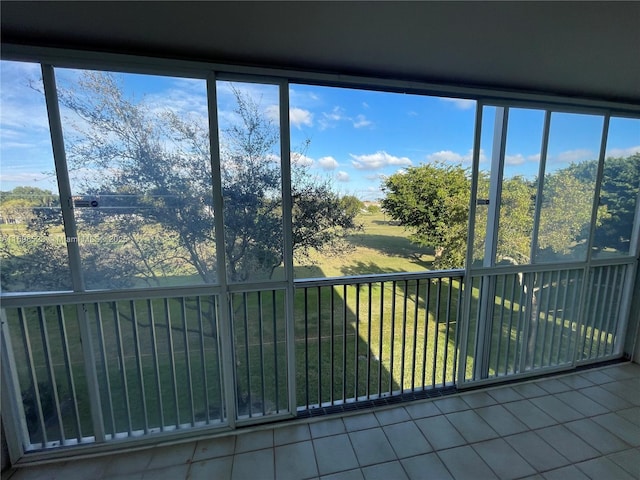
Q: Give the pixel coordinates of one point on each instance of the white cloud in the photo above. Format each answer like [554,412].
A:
[299,117]
[272,157]
[342,176]
[336,114]
[623,152]
[273,113]
[454,157]
[533,158]
[361,121]
[184,97]
[328,163]
[375,176]
[365,104]
[571,156]
[447,156]
[26,177]
[300,159]
[377,160]
[460,103]
[517,159]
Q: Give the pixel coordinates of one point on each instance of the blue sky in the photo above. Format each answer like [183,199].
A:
[356,137]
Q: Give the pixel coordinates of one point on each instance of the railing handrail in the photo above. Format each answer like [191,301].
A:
[547,267]
[31,299]
[377,278]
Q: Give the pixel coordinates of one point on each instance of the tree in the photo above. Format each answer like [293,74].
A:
[432,200]
[618,193]
[351,205]
[150,172]
[565,217]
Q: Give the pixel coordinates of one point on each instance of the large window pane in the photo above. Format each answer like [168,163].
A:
[140,172]
[251,180]
[33,251]
[484,175]
[383,181]
[569,187]
[519,186]
[619,190]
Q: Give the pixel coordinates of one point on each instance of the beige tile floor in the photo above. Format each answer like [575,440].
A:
[579,426]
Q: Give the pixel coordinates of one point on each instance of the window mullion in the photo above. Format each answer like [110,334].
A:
[540,190]
[62,176]
[598,185]
[287,230]
[224,325]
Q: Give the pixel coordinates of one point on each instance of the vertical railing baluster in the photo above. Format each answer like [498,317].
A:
[67,363]
[415,336]
[332,343]
[32,374]
[216,331]
[615,305]
[44,331]
[482,281]
[601,293]
[588,312]
[187,354]
[380,338]
[344,344]
[609,305]
[246,353]
[436,326]
[357,341]
[545,325]
[156,364]
[575,308]
[203,362]
[456,345]
[565,291]
[595,310]
[275,348]
[510,328]
[606,306]
[103,352]
[138,354]
[368,393]
[608,297]
[501,324]
[446,334]
[172,358]
[535,314]
[519,343]
[404,332]
[123,368]
[425,342]
[393,331]
[261,332]
[555,315]
[306,347]
[319,313]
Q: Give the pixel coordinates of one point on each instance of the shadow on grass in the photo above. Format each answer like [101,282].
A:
[391,245]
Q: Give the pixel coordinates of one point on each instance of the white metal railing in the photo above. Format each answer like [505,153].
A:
[157,364]
[526,319]
[95,367]
[367,337]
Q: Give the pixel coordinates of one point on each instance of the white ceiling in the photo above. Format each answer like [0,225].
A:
[583,49]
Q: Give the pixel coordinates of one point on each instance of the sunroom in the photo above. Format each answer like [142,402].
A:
[194,248]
